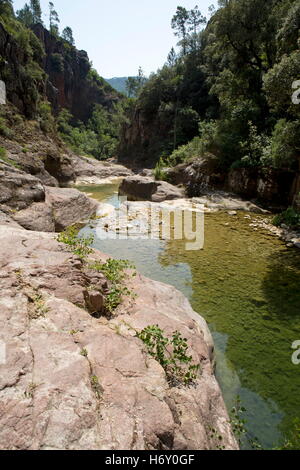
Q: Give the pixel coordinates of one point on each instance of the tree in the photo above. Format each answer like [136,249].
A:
[135,84]
[180,25]
[30,14]
[53,20]
[131,86]
[67,35]
[195,19]
[6,7]
[172,58]
[25,15]
[36,11]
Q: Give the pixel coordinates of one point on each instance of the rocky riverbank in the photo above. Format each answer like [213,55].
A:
[72,381]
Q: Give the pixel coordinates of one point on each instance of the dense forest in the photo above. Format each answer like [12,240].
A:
[232,89]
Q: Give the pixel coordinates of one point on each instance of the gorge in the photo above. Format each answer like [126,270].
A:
[113,341]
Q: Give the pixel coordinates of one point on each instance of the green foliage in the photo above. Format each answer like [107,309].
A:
[195,148]
[79,246]
[172,354]
[237,76]
[254,149]
[285,144]
[67,35]
[134,84]
[114,271]
[3,153]
[289,217]
[57,62]
[99,137]
[4,130]
[53,20]
[239,427]
[4,158]
[47,121]
[159,172]
[293,442]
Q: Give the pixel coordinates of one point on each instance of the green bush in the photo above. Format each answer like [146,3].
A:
[4,130]
[285,144]
[172,354]
[114,271]
[289,217]
[159,172]
[4,158]
[79,246]
[47,121]
[57,62]
[3,153]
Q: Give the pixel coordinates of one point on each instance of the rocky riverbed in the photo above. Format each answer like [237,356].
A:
[70,380]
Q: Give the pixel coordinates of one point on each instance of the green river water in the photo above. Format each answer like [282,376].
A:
[246,284]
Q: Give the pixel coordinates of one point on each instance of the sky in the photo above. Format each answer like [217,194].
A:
[121,35]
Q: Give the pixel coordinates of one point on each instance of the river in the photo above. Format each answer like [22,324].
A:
[246,284]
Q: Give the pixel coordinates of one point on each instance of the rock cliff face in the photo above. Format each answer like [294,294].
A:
[69,84]
[274,188]
[71,381]
[142,140]
[60,72]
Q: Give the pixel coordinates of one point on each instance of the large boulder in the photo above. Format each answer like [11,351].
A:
[62,208]
[138,188]
[69,206]
[18,190]
[72,381]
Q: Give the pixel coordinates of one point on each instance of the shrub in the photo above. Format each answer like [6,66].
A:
[171,354]
[285,144]
[289,217]
[80,246]
[4,130]
[186,152]
[3,153]
[57,62]
[159,172]
[47,121]
[4,157]
[114,271]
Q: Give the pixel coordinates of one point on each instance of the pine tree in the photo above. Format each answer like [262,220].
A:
[53,20]
[67,35]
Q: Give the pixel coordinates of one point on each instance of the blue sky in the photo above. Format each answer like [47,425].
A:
[121,35]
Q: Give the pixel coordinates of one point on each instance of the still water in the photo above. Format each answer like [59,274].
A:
[246,284]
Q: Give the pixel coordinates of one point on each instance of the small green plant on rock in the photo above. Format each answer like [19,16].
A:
[78,245]
[5,159]
[96,387]
[37,305]
[114,271]
[172,354]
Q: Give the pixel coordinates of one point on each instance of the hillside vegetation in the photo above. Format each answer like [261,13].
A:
[49,80]
[231,90]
